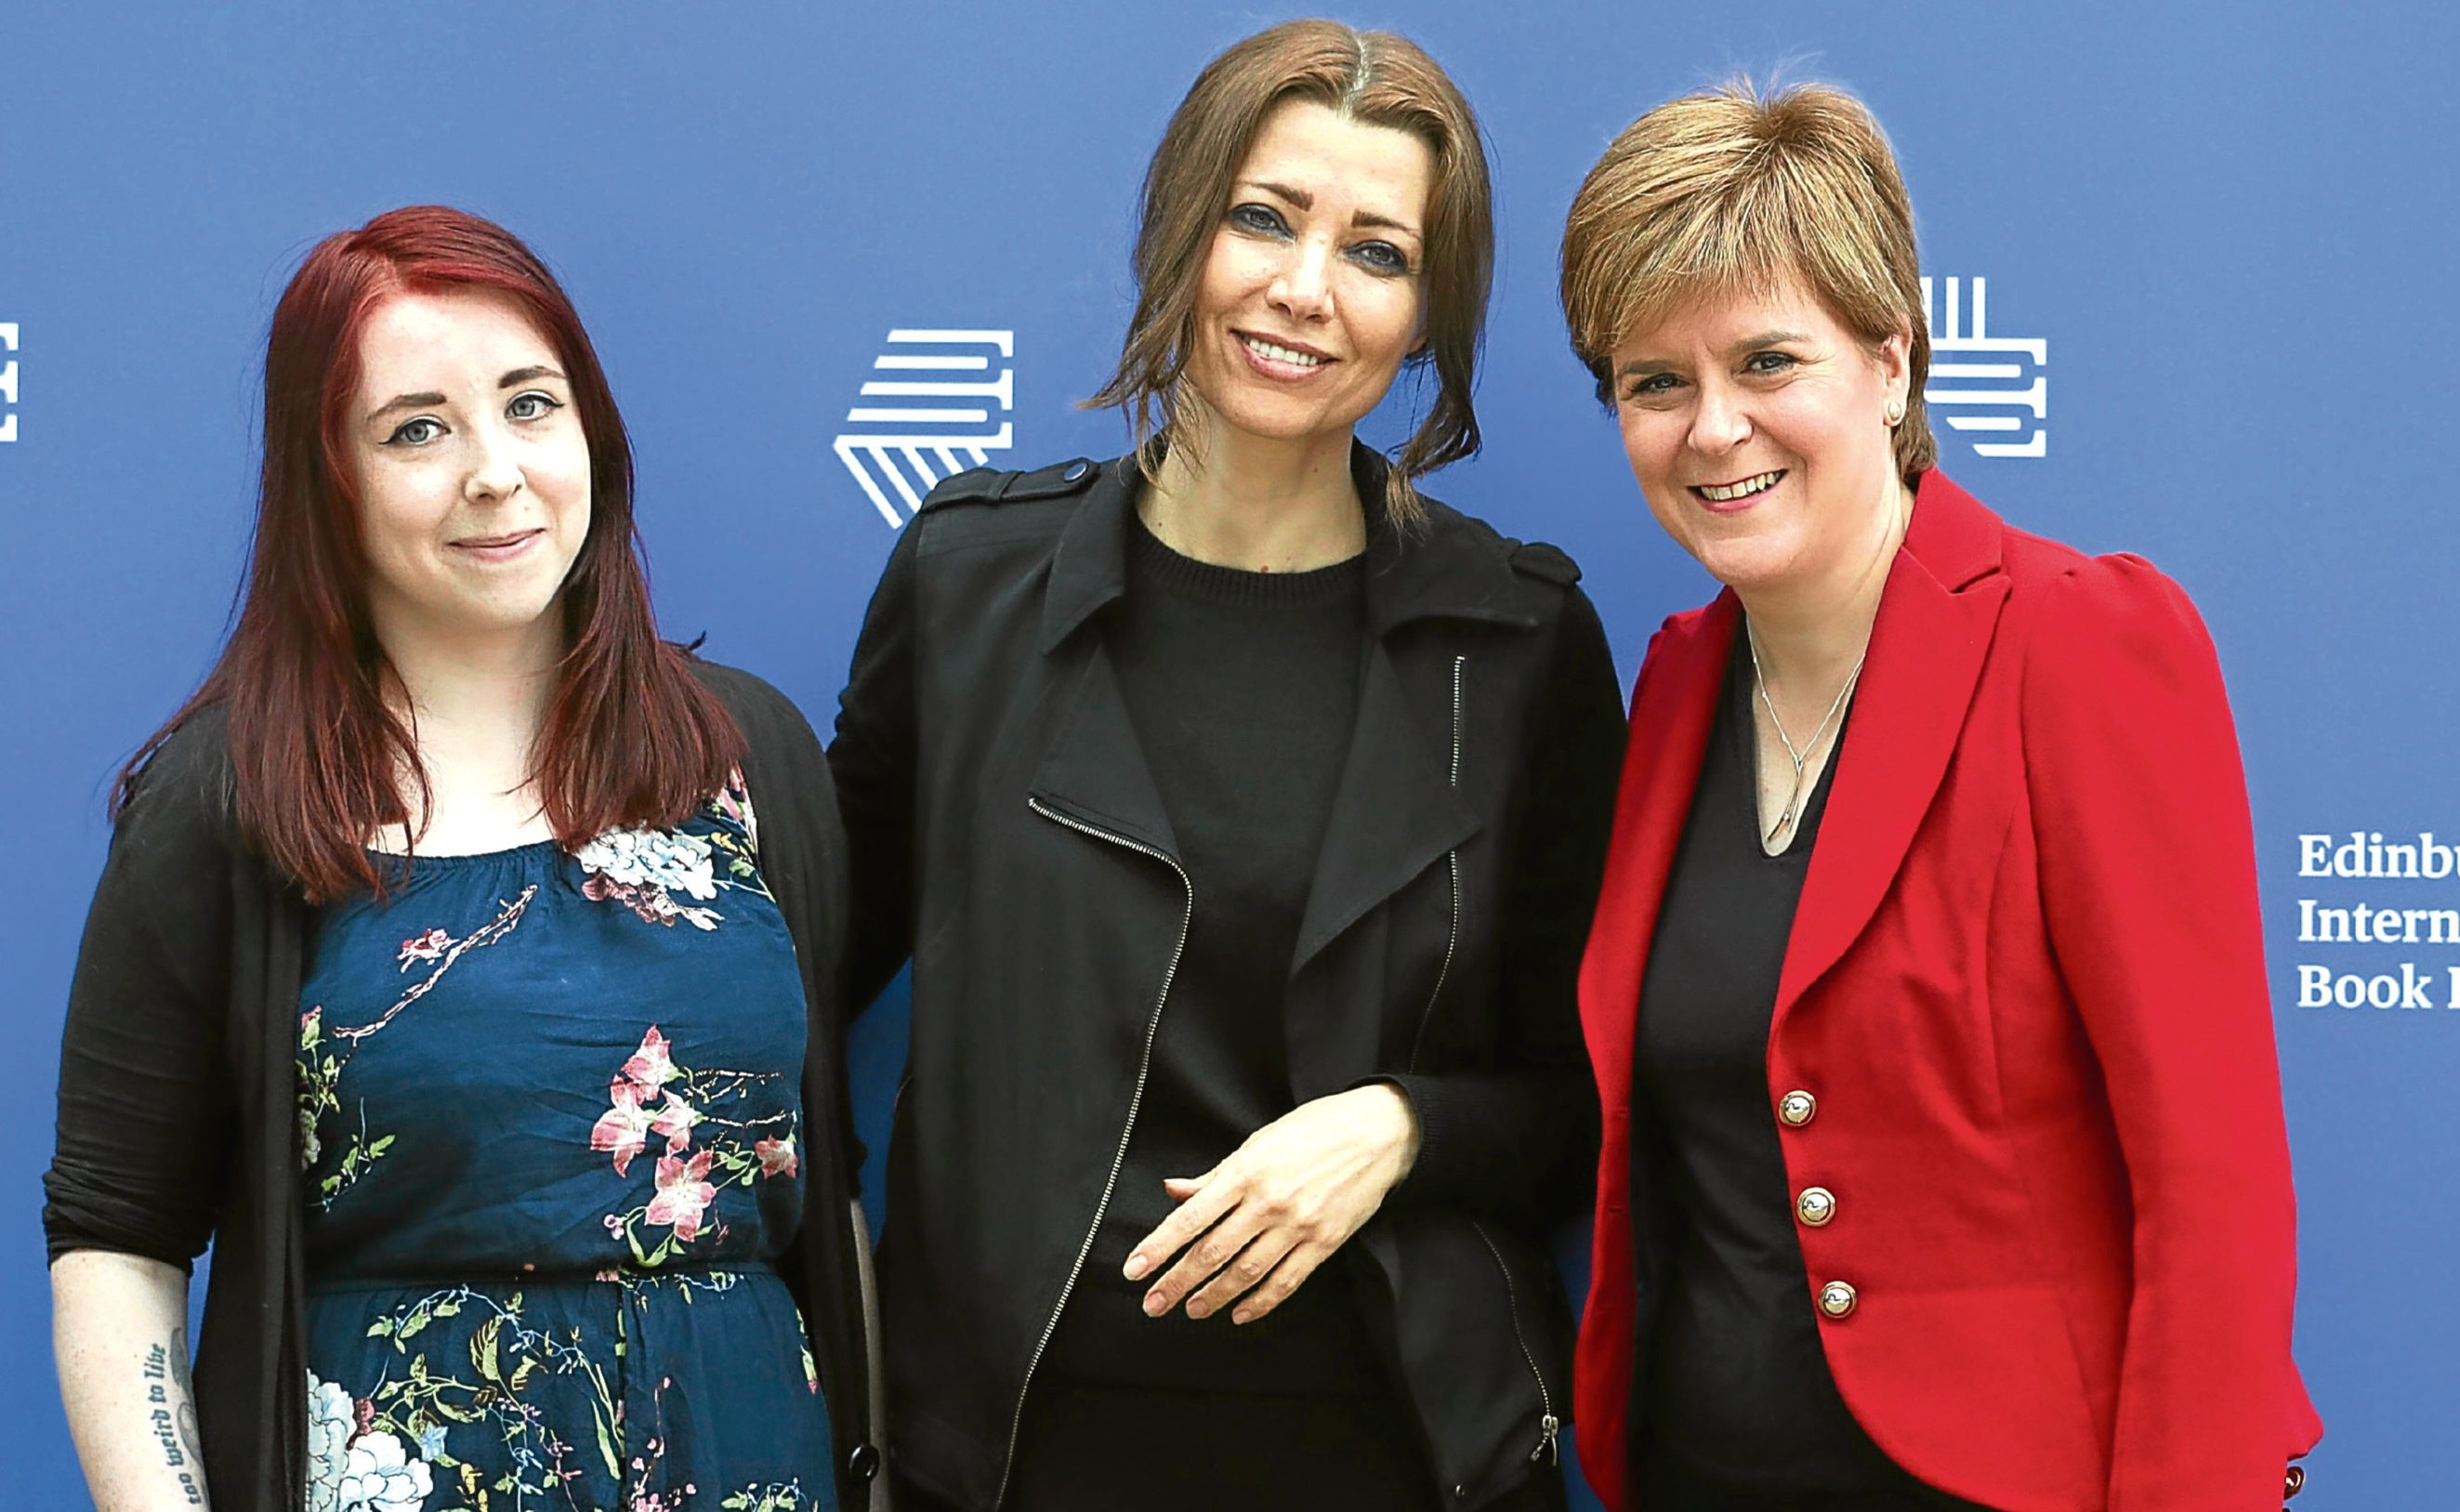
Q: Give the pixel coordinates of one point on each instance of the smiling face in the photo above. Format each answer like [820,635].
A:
[1757,427]
[471,469]
[1310,295]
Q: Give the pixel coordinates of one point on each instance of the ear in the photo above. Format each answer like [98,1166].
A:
[1894,356]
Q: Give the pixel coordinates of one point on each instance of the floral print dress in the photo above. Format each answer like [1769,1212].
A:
[550,1116]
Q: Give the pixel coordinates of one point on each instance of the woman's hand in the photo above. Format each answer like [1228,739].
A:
[1261,1221]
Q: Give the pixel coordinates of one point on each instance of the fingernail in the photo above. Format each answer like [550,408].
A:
[1138,1265]
[1155,1305]
[1198,1310]
[1242,1315]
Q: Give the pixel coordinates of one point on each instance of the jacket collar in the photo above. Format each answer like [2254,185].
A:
[1938,614]
[1445,568]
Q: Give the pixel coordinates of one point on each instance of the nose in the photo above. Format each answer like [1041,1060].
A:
[495,466]
[1302,287]
[1719,421]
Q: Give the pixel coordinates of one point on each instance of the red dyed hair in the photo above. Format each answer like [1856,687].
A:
[320,760]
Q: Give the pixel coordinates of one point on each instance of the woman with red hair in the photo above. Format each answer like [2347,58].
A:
[445,977]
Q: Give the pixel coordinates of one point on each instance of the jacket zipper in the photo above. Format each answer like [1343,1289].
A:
[1135,1101]
[1451,859]
[1548,1424]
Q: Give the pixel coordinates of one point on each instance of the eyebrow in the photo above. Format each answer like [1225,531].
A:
[1765,339]
[1307,201]
[420,402]
[406,401]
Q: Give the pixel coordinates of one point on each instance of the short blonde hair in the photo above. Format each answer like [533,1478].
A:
[1375,78]
[1736,190]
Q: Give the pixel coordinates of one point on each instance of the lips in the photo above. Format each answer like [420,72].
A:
[1281,358]
[1737,492]
[498,547]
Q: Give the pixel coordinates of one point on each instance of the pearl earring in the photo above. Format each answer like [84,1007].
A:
[1895,412]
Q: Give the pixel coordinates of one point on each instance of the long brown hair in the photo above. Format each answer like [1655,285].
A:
[1376,79]
[319,759]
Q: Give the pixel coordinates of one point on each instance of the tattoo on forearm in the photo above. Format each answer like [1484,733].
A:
[171,1399]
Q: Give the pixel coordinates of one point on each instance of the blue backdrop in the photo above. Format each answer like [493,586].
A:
[2201,294]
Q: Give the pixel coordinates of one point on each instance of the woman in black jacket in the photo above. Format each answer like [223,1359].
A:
[1239,809]
[396,984]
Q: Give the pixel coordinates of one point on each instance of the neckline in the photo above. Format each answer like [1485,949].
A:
[1177,572]
[420,858]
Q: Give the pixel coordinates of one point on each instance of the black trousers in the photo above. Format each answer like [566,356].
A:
[1666,1484]
[1088,1448]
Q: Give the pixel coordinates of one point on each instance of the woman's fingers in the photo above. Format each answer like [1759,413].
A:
[1215,1248]
[1249,1266]
[1295,1268]
[1197,1212]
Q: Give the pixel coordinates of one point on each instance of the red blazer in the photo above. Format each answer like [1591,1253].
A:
[2026,993]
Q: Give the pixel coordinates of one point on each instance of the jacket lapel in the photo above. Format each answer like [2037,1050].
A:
[1394,814]
[1937,616]
[1673,710]
[1094,771]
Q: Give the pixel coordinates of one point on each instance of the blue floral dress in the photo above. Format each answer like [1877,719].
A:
[550,1116]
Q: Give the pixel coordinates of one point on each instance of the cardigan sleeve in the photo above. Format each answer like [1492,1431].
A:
[1521,1139]
[873,758]
[2147,867]
[146,1111]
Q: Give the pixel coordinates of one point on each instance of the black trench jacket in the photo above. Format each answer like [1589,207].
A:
[1006,835]
[179,1089]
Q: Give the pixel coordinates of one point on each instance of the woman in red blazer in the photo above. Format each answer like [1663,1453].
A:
[1944,1161]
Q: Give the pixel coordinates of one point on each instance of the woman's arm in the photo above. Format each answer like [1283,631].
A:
[1520,1141]
[872,762]
[2147,866]
[119,1332]
[145,1119]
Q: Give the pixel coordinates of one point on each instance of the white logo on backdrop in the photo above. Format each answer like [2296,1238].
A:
[9,384]
[939,424]
[1990,388]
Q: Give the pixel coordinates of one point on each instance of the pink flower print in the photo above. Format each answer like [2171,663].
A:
[427,946]
[683,1194]
[624,1127]
[776,1157]
[651,1067]
[673,1123]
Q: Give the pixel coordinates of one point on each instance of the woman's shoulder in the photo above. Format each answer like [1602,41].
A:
[984,494]
[1544,581]
[2077,598]
[187,783]
[176,822]
[2103,636]
[772,723]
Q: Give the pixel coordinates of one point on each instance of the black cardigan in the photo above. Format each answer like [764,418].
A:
[177,1114]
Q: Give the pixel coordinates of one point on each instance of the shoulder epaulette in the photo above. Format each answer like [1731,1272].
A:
[991,485]
[1539,559]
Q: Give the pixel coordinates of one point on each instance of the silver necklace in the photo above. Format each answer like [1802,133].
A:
[1798,754]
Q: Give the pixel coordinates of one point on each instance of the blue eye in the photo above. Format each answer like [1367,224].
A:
[426,428]
[1258,218]
[1769,362]
[533,406]
[1382,256]
[1649,386]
